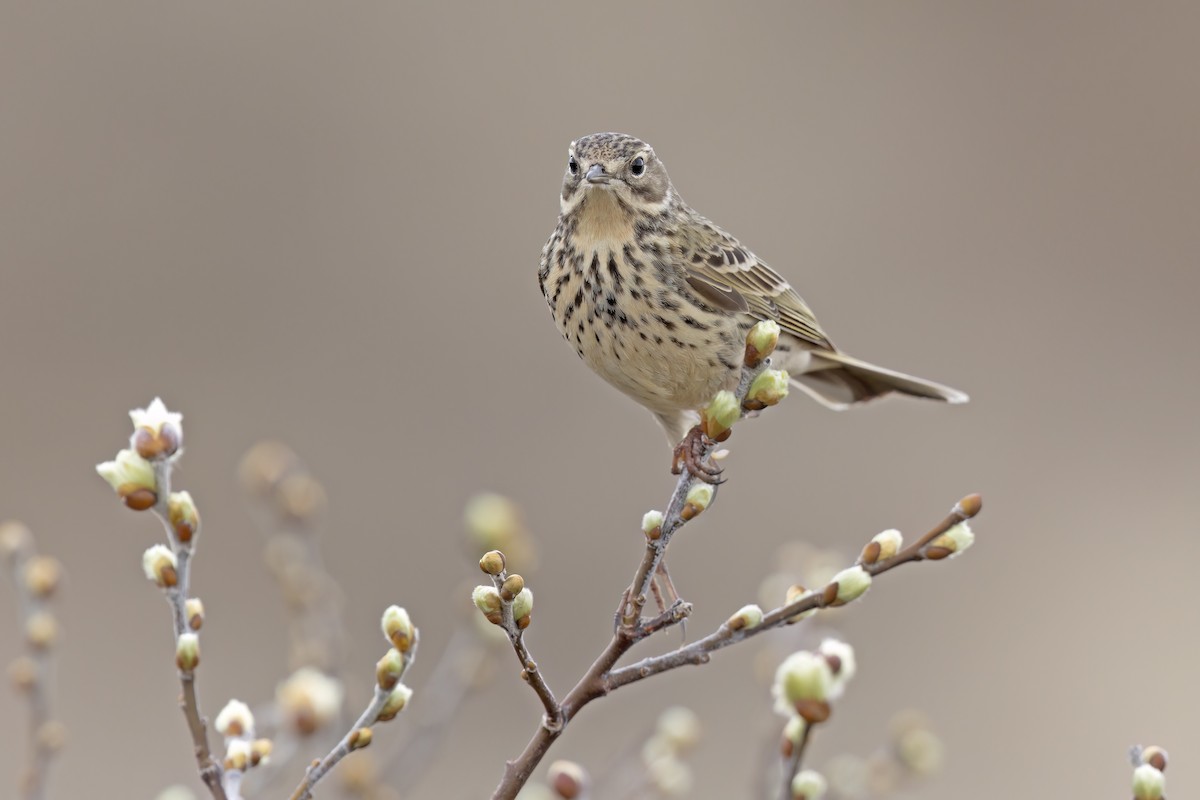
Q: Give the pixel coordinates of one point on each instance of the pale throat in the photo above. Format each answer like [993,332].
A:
[603,223]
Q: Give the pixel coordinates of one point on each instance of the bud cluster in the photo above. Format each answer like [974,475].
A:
[403,637]
[506,591]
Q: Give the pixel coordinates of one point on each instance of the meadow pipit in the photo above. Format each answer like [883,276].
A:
[658,300]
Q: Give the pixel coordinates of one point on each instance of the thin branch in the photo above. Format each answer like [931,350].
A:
[352,740]
[791,765]
[210,770]
[343,748]
[530,672]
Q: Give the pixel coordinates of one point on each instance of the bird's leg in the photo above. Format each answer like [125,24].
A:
[668,587]
[657,592]
[692,453]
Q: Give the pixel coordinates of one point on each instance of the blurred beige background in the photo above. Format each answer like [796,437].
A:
[321,222]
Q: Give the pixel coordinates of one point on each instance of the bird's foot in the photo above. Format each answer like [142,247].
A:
[693,454]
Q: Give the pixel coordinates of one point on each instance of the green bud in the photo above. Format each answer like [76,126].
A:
[522,605]
[852,584]
[720,414]
[396,702]
[761,341]
[767,389]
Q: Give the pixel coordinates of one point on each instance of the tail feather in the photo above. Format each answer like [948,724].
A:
[838,381]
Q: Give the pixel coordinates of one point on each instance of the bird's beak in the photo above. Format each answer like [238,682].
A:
[595,174]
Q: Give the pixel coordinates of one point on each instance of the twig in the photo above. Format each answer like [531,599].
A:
[381,709]
[530,672]
[792,764]
[343,748]
[210,771]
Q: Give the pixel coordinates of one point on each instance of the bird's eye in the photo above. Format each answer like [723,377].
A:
[573,165]
[638,166]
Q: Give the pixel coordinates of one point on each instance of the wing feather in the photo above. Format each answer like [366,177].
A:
[716,259]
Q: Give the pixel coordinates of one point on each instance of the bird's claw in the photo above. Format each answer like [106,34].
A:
[693,454]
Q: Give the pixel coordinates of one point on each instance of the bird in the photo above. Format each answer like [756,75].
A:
[658,300]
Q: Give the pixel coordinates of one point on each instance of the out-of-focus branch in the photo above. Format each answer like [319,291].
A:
[35,579]
[289,501]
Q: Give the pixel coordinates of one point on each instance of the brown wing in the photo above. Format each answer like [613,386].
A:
[717,262]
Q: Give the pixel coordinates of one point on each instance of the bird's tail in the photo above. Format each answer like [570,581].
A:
[839,381]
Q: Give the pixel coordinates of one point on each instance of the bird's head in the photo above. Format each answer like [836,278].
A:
[618,164]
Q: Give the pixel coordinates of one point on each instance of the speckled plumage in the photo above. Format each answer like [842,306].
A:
[658,300]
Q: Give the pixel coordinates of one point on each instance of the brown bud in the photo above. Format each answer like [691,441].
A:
[259,751]
[138,498]
[1156,757]
[567,779]
[829,594]
[194,610]
[970,505]
[512,587]
[870,553]
[813,711]
[936,553]
[360,738]
[492,562]
[524,621]
[150,445]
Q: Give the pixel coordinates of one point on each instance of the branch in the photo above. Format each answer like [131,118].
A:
[791,763]
[758,387]
[602,678]
[351,741]
[511,589]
